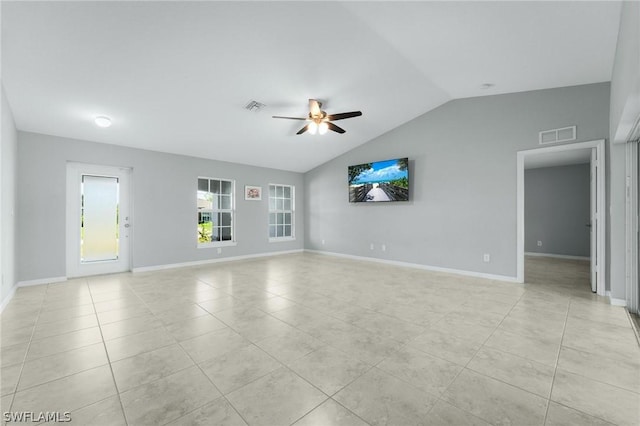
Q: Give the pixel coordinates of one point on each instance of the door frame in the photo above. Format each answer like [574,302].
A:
[74,171]
[593,221]
[599,146]
[632,226]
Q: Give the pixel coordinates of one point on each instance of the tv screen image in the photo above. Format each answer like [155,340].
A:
[379,181]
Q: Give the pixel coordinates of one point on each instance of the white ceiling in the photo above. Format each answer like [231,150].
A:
[175,76]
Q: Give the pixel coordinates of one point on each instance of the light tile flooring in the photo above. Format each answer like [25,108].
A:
[308,339]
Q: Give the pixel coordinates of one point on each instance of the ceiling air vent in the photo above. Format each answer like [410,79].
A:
[254,106]
[564,134]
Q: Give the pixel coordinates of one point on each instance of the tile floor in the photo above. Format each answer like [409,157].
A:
[308,339]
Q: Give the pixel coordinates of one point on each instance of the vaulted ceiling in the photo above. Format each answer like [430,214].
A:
[175,76]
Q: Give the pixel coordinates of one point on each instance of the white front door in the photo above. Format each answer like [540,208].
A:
[98,221]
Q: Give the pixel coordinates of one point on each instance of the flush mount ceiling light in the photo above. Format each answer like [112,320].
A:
[102,121]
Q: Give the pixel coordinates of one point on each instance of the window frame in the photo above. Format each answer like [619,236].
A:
[232,210]
[292,211]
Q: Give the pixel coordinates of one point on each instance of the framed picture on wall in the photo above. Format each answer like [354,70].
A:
[253,193]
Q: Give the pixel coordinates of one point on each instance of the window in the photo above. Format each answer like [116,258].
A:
[216,210]
[281,212]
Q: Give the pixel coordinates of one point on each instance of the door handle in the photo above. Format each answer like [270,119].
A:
[588,225]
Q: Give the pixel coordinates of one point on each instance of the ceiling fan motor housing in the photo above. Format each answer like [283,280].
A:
[318,117]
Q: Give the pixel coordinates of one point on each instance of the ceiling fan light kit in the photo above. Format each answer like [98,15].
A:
[318,127]
[319,121]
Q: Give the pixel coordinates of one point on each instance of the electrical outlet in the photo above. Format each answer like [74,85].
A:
[486,257]
[539,243]
[371,246]
[384,247]
[219,250]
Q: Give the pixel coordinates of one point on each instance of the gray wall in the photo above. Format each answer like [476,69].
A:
[625,76]
[8,157]
[556,210]
[462,167]
[625,90]
[164,204]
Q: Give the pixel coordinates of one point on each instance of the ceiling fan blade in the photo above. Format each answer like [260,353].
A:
[343,115]
[304,129]
[335,128]
[314,107]
[288,118]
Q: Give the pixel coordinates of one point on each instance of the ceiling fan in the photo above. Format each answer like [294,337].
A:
[320,121]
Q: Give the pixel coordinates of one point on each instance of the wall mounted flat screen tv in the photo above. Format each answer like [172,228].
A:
[380,181]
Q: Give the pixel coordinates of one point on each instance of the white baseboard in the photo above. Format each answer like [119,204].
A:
[28,283]
[419,266]
[41,281]
[557,256]
[618,302]
[8,298]
[208,261]
[615,302]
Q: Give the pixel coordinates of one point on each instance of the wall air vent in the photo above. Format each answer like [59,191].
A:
[564,134]
[254,106]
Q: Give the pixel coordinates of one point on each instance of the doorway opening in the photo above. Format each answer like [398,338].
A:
[98,220]
[591,153]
